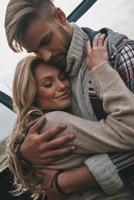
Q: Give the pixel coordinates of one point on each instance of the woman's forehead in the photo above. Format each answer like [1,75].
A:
[43,69]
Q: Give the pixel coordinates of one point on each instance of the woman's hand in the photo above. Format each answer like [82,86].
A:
[97,53]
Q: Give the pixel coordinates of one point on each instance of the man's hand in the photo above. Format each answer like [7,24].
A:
[41,149]
[48,186]
[71,181]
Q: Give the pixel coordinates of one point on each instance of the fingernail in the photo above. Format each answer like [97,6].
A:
[71,136]
[63,126]
[73,147]
[43,117]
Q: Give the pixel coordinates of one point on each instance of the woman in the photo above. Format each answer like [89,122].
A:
[48,89]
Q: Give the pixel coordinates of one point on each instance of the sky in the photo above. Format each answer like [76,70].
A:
[116,14]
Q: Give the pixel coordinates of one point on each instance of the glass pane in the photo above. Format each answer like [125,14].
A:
[114,14]
[7,118]
[67,6]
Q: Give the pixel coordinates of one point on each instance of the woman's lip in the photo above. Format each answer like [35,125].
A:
[63,96]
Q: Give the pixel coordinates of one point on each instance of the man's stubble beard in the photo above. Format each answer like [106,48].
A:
[59,60]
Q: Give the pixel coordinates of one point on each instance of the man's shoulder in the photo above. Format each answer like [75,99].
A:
[90,32]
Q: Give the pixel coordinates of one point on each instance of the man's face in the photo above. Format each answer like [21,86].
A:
[49,40]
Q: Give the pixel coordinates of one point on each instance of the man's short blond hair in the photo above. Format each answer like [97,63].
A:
[19,15]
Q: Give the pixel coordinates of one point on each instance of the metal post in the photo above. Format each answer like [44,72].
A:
[6,100]
[80,10]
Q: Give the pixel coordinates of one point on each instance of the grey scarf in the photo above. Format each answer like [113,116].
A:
[79,75]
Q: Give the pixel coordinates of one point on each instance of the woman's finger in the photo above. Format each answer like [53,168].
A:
[37,126]
[101,40]
[51,132]
[95,41]
[89,47]
[59,152]
[105,42]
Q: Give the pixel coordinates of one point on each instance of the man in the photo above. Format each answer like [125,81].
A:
[40,27]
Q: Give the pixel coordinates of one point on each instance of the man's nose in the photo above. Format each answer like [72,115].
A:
[45,54]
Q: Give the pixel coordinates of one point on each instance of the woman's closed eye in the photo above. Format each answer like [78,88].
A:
[47,84]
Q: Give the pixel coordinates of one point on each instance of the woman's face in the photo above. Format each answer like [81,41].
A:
[53,88]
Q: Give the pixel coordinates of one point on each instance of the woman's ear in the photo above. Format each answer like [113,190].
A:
[60,15]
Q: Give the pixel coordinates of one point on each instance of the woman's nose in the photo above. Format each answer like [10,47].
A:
[61,85]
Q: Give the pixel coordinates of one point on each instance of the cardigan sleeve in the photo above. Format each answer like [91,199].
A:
[120,163]
[105,173]
[118,102]
[124,162]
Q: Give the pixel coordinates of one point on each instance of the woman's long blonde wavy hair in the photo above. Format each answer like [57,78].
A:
[24,90]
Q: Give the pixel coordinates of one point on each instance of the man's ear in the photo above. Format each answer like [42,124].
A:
[60,15]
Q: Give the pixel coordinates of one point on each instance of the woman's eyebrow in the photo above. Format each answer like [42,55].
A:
[45,78]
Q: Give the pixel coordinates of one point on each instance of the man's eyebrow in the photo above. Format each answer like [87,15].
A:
[44,39]
[40,44]
[29,51]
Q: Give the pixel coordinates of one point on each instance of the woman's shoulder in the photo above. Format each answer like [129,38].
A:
[57,114]
[55,118]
